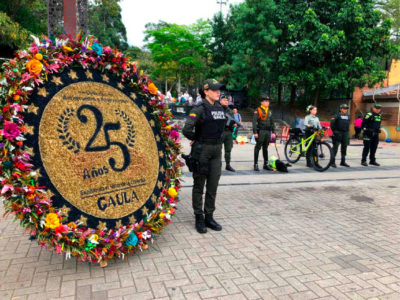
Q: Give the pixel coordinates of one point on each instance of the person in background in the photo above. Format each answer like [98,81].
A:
[182,99]
[371,126]
[340,125]
[311,123]
[263,128]
[198,99]
[227,138]
[357,127]
[168,96]
[238,117]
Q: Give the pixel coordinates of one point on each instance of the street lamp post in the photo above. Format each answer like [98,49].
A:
[221,2]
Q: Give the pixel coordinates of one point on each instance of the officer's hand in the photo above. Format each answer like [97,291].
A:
[191,143]
[235,125]
[256,135]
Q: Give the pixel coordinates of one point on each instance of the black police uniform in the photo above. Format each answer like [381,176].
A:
[371,126]
[227,138]
[205,127]
[263,125]
[340,125]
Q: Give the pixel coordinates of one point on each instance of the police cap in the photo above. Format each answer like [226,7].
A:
[223,95]
[376,105]
[212,84]
[264,96]
[344,106]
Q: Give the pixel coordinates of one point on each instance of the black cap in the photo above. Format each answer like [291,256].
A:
[376,105]
[223,95]
[344,106]
[264,96]
[212,84]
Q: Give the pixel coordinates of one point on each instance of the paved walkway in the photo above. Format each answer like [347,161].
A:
[301,235]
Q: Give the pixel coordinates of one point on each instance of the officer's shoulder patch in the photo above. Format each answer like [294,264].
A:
[193,115]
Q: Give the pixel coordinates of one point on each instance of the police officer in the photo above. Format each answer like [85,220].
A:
[227,138]
[263,126]
[204,128]
[371,126]
[340,125]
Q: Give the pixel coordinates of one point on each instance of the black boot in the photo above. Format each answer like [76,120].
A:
[256,151]
[343,163]
[267,167]
[374,163]
[229,168]
[210,223]
[200,224]
[364,163]
[333,164]
[256,167]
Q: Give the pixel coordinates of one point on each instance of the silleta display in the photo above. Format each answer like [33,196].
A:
[89,153]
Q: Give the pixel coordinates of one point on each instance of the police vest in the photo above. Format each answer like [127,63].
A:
[342,123]
[213,123]
[373,121]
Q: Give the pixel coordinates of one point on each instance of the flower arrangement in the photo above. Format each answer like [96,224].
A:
[20,192]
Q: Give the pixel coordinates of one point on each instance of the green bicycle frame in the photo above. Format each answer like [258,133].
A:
[304,143]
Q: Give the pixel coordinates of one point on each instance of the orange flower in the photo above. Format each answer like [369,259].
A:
[34,66]
[72,225]
[152,88]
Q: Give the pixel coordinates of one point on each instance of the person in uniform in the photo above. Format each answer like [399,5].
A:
[263,127]
[311,123]
[227,138]
[371,126]
[204,128]
[340,125]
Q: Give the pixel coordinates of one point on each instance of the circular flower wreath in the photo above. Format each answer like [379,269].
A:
[20,192]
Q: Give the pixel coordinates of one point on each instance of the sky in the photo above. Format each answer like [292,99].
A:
[136,14]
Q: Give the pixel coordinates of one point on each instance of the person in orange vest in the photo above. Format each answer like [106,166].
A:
[263,128]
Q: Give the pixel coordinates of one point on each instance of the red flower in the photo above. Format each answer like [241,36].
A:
[10,130]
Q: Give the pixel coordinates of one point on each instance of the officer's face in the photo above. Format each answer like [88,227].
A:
[212,95]
[313,111]
[224,101]
[376,110]
[265,103]
[344,111]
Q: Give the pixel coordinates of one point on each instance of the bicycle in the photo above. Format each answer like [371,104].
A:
[297,146]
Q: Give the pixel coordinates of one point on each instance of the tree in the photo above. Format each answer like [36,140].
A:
[179,51]
[246,43]
[105,23]
[332,44]
[29,14]
[391,10]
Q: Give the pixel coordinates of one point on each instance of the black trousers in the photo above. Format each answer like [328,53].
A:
[210,159]
[370,146]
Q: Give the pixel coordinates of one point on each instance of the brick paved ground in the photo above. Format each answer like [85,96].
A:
[302,235]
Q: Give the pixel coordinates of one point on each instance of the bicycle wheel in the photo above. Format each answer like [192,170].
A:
[322,156]
[293,150]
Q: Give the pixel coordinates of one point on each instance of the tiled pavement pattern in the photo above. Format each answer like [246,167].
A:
[302,235]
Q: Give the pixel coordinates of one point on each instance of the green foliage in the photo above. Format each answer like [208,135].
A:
[12,36]
[317,46]
[179,50]
[391,10]
[29,14]
[105,23]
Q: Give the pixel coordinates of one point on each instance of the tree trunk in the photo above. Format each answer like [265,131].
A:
[292,93]
[279,93]
[316,96]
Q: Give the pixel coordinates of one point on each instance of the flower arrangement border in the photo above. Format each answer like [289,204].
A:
[21,192]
